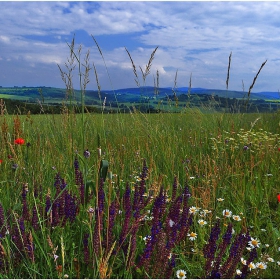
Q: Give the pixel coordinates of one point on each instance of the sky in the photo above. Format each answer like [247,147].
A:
[194,39]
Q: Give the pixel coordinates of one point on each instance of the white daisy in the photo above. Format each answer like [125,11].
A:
[181,274]
[202,222]
[261,265]
[236,218]
[243,261]
[238,272]
[251,266]
[254,243]
[227,213]
[270,259]
[192,236]
[220,199]
[193,210]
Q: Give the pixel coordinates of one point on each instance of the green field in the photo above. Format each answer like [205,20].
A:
[234,157]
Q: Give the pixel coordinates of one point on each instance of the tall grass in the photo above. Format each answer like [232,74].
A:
[185,191]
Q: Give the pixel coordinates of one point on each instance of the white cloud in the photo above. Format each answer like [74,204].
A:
[193,37]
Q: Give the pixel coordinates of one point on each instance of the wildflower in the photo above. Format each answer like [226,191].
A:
[278,197]
[254,243]
[181,274]
[147,238]
[55,257]
[1,161]
[262,229]
[243,261]
[270,259]
[251,266]
[90,210]
[19,141]
[261,265]
[192,236]
[202,222]
[14,166]
[238,272]
[66,276]
[171,223]
[278,263]
[245,148]
[266,245]
[236,218]
[220,199]
[193,210]
[86,153]
[227,213]
[170,256]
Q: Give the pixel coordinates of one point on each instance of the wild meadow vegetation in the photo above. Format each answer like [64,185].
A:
[168,195]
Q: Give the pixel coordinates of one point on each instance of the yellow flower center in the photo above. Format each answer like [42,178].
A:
[193,234]
[255,242]
[181,274]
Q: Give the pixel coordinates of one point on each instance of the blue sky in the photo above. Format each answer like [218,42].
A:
[193,37]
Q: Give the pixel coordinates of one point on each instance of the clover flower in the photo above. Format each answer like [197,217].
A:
[86,153]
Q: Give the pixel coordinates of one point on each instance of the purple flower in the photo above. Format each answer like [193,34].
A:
[86,153]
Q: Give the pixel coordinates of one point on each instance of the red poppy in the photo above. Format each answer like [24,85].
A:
[279,149]
[278,197]
[19,141]
[1,161]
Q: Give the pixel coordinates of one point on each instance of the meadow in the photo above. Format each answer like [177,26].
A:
[168,195]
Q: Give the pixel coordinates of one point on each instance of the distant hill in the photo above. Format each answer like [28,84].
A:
[52,94]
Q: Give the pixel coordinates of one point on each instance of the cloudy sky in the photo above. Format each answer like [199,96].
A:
[192,37]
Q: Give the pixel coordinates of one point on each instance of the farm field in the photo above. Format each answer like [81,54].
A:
[140,195]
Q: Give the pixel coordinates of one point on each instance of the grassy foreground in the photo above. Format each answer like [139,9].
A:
[185,195]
